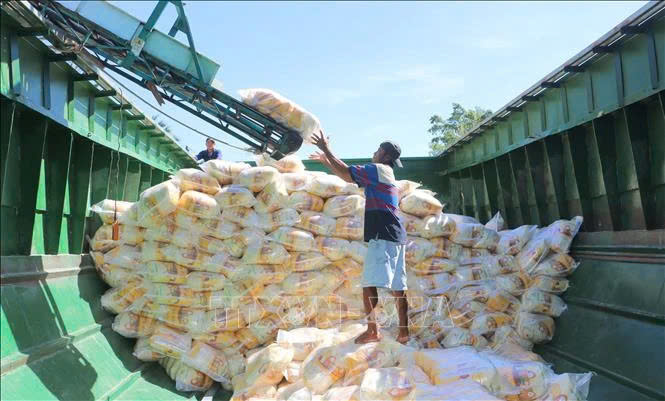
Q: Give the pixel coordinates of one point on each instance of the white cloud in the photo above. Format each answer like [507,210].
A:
[426,82]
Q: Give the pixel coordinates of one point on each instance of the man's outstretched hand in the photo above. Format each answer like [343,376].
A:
[321,141]
[320,156]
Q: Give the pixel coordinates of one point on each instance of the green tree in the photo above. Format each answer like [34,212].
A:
[461,121]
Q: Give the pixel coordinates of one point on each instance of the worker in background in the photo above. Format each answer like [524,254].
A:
[385,261]
[210,153]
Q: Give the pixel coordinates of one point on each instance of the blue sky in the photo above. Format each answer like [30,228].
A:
[378,70]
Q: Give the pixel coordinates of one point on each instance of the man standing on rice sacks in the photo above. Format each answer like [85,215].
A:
[385,261]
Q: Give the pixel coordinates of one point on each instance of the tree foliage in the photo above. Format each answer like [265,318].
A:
[461,121]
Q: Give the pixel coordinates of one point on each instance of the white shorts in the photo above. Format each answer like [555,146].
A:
[384,265]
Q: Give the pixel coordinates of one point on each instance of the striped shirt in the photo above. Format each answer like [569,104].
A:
[381,202]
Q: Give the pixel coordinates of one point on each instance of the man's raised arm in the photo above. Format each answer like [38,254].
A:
[338,167]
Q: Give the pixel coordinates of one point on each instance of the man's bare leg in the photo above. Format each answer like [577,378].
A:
[402,313]
[370,299]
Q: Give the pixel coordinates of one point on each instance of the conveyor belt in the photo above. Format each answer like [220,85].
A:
[70,32]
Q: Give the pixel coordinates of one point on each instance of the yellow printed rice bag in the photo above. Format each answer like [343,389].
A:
[350,227]
[412,224]
[418,249]
[293,239]
[161,199]
[317,223]
[537,301]
[554,285]
[296,181]
[326,186]
[186,378]
[357,251]
[344,205]
[199,204]
[170,342]
[535,328]
[144,352]
[444,224]
[332,248]
[224,171]
[301,200]
[192,179]
[103,238]
[110,210]
[511,242]
[256,178]
[233,196]
[434,266]
[420,203]
[273,197]
[118,299]
[488,322]
[265,253]
[131,325]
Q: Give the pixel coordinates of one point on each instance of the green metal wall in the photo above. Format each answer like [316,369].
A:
[65,146]
[592,144]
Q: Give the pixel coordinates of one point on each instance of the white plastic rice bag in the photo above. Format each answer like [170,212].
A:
[186,378]
[333,248]
[110,210]
[488,322]
[296,181]
[349,227]
[418,249]
[160,200]
[475,235]
[131,325]
[144,352]
[344,205]
[223,171]
[199,204]
[458,336]
[317,223]
[554,285]
[163,272]
[256,178]
[170,342]
[443,224]
[283,110]
[511,242]
[192,179]
[420,203]
[537,301]
[560,234]
[293,239]
[264,368]
[265,253]
[433,266]
[103,239]
[357,251]
[405,187]
[287,164]
[272,197]
[306,261]
[326,185]
[535,328]
[386,384]
[496,223]
[119,299]
[212,362]
[234,195]
[301,200]
[554,265]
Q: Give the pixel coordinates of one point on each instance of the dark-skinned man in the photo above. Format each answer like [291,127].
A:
[384,232]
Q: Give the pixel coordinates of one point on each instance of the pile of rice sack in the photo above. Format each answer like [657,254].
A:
[250,277]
